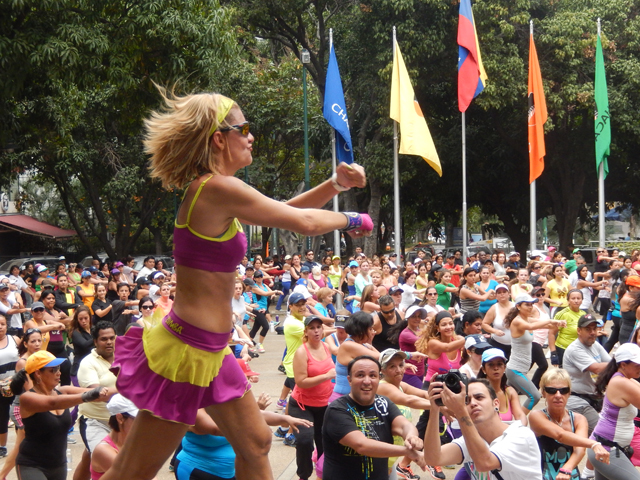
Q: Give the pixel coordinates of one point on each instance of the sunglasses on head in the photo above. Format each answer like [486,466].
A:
[243,128]
[32,330]
[553,390]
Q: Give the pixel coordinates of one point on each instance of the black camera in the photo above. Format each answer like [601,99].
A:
[452,381]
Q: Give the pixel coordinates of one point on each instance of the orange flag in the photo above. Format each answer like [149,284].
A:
[537,115]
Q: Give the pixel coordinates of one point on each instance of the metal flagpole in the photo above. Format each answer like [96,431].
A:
[336,205]
[464,189]
[396,177]
[532,195]
[601,228]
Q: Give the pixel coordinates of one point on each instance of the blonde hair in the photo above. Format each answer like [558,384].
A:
[554,374]
[178,137]
[323,292]
[429,332]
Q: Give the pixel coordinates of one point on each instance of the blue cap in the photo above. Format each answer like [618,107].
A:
[492,353]
[353,263]
[305,269]
[92,269]
[86,274]
[295,298]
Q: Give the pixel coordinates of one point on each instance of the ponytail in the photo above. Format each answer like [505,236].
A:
[18,381]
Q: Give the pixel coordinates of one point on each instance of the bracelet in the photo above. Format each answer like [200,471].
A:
[336,185]
[595,445]
[566,472]
[408,354]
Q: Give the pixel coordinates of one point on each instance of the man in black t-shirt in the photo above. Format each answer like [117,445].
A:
[359,427]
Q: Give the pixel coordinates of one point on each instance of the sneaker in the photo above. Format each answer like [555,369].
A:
[260,348]
[281,369]
[406,473]
[436,472]
[282,404]
[3,451]
[253,354]
[281,432]
[289,440]
[71,440]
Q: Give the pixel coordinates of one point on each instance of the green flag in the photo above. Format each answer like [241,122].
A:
[602,118]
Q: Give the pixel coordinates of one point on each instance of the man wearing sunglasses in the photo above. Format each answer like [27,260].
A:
[383,320]
[584,359]
[488,448]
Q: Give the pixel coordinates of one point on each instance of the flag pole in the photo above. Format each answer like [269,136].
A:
[532,194]
[464,189]
[601,228]
[396,177]
[336,205]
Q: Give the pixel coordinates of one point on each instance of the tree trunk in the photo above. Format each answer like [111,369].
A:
[289,240]
[371,243]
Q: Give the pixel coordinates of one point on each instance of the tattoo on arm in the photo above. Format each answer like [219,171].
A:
[467,421]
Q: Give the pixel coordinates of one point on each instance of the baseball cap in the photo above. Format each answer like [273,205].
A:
[92,269]
[4,286]
[415,308]
[287,257]
[61,257]
[491,354]
[551,249]
[35,305]
[142,281]
[388,354]
[586,319]
[501,286]
[622,254]
[535,290]
[115,271]
[249,282]
[353,263]
[41,359]
[47,282]
[302,290]
[451,255]
[258,274]
[245,368]
[513,254]
[394,254]
[334,257]
[311,318]
[86,274]
[118,264]
[476,341]
[249,267]
[525,298]
[42,268]
[156,274]
[339,323]
[120,404]
[627,352]
[296,297]
[633,280]
[417,260]
[305,270]
[575,250]
[436,267]
[395,289]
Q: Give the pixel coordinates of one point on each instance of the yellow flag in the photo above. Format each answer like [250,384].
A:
[415,138]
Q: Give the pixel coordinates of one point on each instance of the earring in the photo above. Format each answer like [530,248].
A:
[497,410]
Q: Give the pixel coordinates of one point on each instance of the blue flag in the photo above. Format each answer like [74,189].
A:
[335,110]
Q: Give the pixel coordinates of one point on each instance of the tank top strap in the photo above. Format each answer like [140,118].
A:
[195,198]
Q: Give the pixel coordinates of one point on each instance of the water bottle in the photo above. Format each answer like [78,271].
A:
[69,460]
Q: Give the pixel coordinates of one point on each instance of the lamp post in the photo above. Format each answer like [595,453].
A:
[305,58]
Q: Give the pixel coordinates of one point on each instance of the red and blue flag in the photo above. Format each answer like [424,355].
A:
[471,75]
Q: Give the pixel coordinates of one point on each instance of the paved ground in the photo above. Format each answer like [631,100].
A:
[282,457]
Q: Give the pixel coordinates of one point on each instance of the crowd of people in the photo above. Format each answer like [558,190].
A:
[156,362]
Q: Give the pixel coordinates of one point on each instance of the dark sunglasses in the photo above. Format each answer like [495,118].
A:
[432,294]
[553,391]
[539,294]
[39,309]
[388,312]
[32,330]
[51,369]
[243,128]
[147,307]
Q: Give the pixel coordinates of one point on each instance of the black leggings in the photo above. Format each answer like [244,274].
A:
[5,407]
[538,357]
[41,473]
[615,333]
[259,321]
[307,436]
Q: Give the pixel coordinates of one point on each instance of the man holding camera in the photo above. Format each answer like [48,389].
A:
[359,427]
[489,448]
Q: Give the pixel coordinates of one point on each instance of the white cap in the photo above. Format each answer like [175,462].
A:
[628,352]
[388,354]
[417,260]
[525,298]
[42,268]
[120,404]
[302,290]
[415,308]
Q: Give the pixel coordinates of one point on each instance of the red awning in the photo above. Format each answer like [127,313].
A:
[31,226]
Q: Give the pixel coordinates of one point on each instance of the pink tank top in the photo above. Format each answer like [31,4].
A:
[508,415]
[441,365]
[97,475]
[317,396]
[219,254]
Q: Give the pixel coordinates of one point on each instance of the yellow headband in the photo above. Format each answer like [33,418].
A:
[224,107]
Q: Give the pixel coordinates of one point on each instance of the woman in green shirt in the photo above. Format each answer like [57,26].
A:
[444,287]
[568,334]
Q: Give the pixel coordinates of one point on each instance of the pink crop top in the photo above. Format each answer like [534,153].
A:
[219,254]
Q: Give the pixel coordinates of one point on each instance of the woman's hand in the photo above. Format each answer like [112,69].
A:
[264,400]
[602,455]
[563,476]
[294,422]
[351,175]
[409,367]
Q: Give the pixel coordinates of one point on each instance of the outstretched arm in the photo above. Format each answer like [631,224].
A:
[347,176]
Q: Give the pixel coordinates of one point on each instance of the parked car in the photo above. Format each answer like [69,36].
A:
[49,261]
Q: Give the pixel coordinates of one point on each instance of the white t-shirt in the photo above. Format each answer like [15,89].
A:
[15,320]
[516,449]
[153,292]
[127,272]
[145,272]
[577,358]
